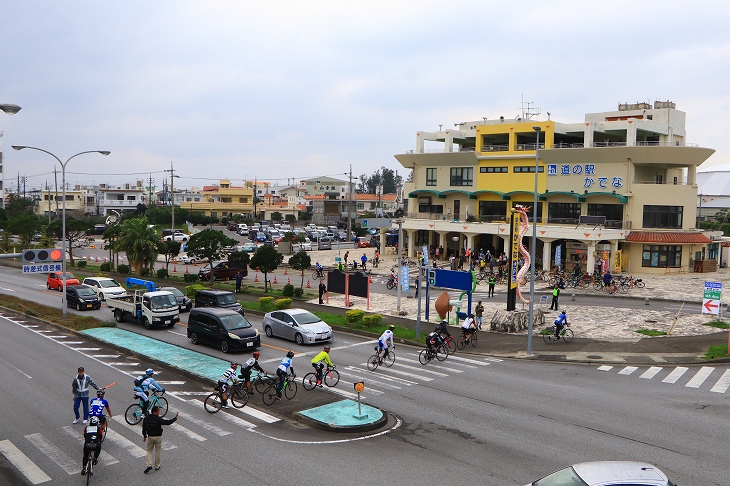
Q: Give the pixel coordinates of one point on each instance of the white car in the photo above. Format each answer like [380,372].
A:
[298,325]
[602,473]
[191,260]
[105,287]
[179,236]
[306,245]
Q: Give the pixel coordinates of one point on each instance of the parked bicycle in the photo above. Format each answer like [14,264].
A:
[236,395]
[289,389]
[330,377]
[134,414]
[566,333]
[380,358]
[440,352]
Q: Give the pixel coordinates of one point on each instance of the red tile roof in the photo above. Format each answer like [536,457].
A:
[667,237]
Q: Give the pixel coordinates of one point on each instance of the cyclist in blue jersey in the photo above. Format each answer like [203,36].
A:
[284,367]
[97,407]
[560,322]
[142,386]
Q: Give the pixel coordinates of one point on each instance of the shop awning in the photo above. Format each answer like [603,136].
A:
[668,237]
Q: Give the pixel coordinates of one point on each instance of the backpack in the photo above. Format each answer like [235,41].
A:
[139,381]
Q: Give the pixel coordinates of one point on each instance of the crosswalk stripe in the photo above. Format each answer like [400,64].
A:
[344,393]
[205,425]
[411,375]
[605,368]
[86,349]
[137,429]
[230,418]
[362,377]
[467,360]
[119,440]
[104,355]
[395,379]
[263,416]
[178,393]
[58,337]
[699,378]
[55,454]
[27,468]
[420,366]
[105,458]
[171,382]
[123,364]
[73,342]
[675,375]
[723,383]
[651,372]
[628,370]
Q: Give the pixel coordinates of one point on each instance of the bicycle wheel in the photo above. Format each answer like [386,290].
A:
[450,345]
[567,335]
[390,285]
[549,335]
[239,397]
[290,390]
[162,403]
[598,286]
[442,352]
[639,284]
[461,342]
[624,288]
[373,362]
[423,357]
[133,415]
[269,395]
[389,358]
[332,378]
[89,468]
[261,383]
[213,403]
[309,381]
[474,339]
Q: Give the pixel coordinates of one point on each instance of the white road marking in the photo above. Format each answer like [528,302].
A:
[178,333]
[362,377]
[700,377]
[55,454]
[467,360]
[105,355]
[9,290]
[230,418]
[177,393]
[605,368]
[104,458]
[628,370]
[675,375]
[86,349]
[420,366]
[651,372]
[27,468]
[344,393]
[120,441]
[411,375]
[71,342]
[137,429]
[123,364]
[171,382]
[58,337]
[31,325]
[398,423]
[723,383]
[205,425]
[395,379]
[263,416]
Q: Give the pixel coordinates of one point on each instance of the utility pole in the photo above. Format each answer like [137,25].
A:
[255,214]
[150,200]
[172,199]
[49,202]
[55,181]
[349,208]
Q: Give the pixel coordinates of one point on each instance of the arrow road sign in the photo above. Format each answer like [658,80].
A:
[710,306]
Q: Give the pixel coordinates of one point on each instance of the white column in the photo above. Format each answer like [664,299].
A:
[591,260]
[547,249]
[411,241]
[470,241]
[614,249]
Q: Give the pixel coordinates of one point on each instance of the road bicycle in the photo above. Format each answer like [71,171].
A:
[289,389]
[262,382]
[330,377]
[391,283]
[566,333]
[236,395]
[387,359]
[462,342]
[134,413]
[449,344]
[426,355]
[319,275]
[89,468]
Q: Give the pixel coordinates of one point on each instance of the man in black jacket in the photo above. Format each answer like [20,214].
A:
[152,430]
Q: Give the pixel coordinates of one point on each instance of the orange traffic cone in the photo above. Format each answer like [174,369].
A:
[370,279]
[101,247]
[308,286]
[97,259]
[186,270]
[88,258]
[195,263]
[257,277]
[174,269]
[285,272]
[288,281]
[274,278]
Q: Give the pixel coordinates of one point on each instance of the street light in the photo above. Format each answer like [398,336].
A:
[10,109]
[63,214]
[533,247]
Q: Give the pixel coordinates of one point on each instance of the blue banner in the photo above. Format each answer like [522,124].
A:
[559,255]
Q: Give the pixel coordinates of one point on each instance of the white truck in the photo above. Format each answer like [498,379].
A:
[151,307]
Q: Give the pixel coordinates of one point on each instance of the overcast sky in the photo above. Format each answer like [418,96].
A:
[279,90]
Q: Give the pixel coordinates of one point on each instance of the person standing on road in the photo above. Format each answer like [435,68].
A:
[347,255]
[376,258]
[418,285]
[556,295]
[322,290]
[478,311]
[239,279]
[80,389]
[364,260]
[152,430]
[492,281]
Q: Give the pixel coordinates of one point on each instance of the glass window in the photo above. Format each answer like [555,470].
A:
[661,256]
[612,212]
[431,177]
[462,176]
[529,168]
[493,170]
[492,210]
[662,216]
[563,213]
[530,212]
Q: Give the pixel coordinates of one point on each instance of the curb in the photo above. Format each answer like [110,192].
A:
[383,420]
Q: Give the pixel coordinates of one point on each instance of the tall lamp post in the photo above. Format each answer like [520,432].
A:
[10,110]
[533,247]
[63,212]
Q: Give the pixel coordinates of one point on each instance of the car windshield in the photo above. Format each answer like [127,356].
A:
[175,292]
[69,275]
[159,302]
[85,292]
[564,477]
[306,318]
[227,299]
[235,321]
[105,284]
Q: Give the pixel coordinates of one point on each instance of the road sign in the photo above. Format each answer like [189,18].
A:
[42,268]
[376,223]
[711,299]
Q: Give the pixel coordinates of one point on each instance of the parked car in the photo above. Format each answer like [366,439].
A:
[306,245]
[222,270]
[217,298]
[324,243]
[82,297]
[261,237]
[179,236]
[298,325]
[223,328]
[248,248]
[105,287]
[55,280]
[275,236]
[363,242]
[602,473]
[183,301]
[232,226]
[191,260]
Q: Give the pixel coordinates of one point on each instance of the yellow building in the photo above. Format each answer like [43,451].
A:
[223,200]
[623,180]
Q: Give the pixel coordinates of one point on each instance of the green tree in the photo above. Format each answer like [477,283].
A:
[301,261]
[305,216]
[76,234]
[139,242]
[168,249]
[266,260]
[208,244]
[239,256]
[111,240]
[141,209]
[384,176]
[291,219]
[294,237]
[276,216]
[25,226]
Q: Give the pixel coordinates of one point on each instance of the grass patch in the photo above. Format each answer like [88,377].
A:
[718,324]
[651,332]
[714,352]
[53,314]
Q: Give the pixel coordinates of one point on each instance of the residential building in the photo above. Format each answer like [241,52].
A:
[120,198]
[318,186]
[632,167]
[223,200]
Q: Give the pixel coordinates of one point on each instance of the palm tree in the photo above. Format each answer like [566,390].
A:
[139,242]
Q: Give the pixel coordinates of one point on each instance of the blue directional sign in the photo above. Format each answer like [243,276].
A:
[42,268]
[451,279]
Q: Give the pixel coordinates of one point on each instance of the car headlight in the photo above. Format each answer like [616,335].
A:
[82,300]
[257,332]
[307,331]
[233,336]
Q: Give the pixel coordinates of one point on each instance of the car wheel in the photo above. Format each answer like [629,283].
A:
[192,262]
[193,338]
[78,307]
[60,288]
[224,346]
[299,339]
[119,316]
[147,324]
[48,286]
[269,332]
[101,297]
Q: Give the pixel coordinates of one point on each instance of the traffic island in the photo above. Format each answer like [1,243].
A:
[344,416]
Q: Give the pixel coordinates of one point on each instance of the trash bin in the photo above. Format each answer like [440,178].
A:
[454,264]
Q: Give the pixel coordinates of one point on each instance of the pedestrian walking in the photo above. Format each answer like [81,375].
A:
[418,285]
[364,260]
[239,279]
[347,255]
[492,281]
[556,295]
[152,434]
[377,258]
[478,311]
[80,389]
[322,290]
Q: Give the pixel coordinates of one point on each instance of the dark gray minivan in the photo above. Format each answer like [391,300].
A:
[225,329]
[217,298]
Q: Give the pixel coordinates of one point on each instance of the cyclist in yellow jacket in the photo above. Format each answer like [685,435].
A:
[318,362]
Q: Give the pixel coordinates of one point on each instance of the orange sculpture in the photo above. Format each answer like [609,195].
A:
[442,305]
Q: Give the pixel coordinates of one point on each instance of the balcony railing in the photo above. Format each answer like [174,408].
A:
[495,148]
[528,146]
[675,143]
[114,202]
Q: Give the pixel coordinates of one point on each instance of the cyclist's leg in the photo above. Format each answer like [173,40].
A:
[280,385]
[143,399]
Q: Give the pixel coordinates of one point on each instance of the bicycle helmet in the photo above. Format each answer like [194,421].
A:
[256,354]
[149,372]
[100,393]
[392,326]
[234,365]
[327,349]
[563,311]
[94,420]
[290,354]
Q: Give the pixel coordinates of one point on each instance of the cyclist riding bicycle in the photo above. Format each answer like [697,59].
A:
[434,340]
[318,269]
[560,322]
[318,362]
[468,328]
[250,364]
[443,328]
[92,442]
[284,366]
[97,406]
[383,341]
[142,386]
[228,375]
